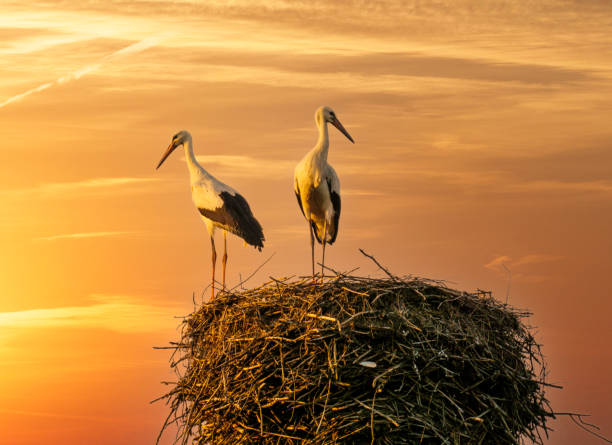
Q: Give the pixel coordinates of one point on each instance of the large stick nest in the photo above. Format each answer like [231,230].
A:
[357,360]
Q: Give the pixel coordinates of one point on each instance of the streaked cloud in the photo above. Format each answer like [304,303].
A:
[92,186]
[333,81]
[75,75]
[361,192]
[497,264]
[497,182]
[380,63]
[347,233]
[358,233]
[82,235]
[247,166]
[290,230]
[24,40]
[597,186]
[52,415]
[116,313]
[462,29]
[250,167]
[536,258]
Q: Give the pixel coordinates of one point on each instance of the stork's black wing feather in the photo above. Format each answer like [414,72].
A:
[335,199]
[236,217]
[299,199]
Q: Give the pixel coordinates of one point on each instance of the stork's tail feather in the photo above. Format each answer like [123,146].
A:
[249,230]
[330,235]
[254,236]
[316,233]
[245,225]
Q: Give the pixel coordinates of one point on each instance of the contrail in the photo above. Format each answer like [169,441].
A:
[42,87]
[131,49]
[81,235]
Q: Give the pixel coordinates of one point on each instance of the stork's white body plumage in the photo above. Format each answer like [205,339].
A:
[219,205]
[317,186]
[205,188]
[316,182]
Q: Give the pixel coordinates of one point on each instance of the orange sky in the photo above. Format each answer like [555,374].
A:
[483,138]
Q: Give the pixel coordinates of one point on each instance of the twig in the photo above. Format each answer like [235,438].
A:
[393,277]
[254,272]
[324,406]
[583,425]
[373,410]
[509,281]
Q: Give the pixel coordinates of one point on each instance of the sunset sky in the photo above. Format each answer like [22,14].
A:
[483,138]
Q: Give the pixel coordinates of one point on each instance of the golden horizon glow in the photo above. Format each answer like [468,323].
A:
[111,312]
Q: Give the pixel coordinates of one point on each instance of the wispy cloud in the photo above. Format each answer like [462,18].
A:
[291,230]
[361,192]
[249,167]
[57,415]
[246,166]
[116,313]
[347,233]
[131,49]
[94,185]
[411,64]
[491,181]
[598,186]
[498,263]
[330,81]
[81,235]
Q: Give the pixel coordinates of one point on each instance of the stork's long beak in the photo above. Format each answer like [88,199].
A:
[336,123]
[169,150]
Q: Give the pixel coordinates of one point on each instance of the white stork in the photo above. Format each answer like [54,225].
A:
[219,204]
[317,186]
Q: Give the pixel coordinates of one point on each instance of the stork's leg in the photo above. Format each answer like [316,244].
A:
[214,263]
[312,248]
[224,259]
[324,243]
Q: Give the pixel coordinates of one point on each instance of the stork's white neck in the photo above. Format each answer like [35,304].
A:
[322,146]
[195,169]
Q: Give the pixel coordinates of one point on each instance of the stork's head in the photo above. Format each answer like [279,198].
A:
[326,114]
[177,140]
